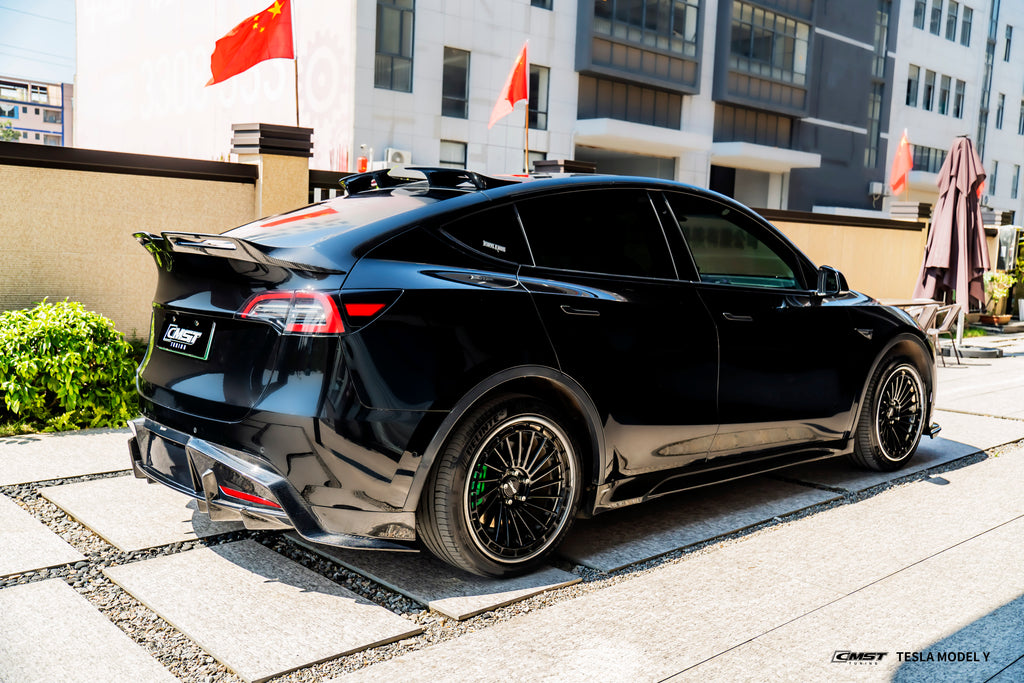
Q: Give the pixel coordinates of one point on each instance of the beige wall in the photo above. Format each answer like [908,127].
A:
[68,233]
[880,262]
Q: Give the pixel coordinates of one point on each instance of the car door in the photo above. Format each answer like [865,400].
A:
[636,338]
[783,382]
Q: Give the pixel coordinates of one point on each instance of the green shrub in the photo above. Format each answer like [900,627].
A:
[62,367]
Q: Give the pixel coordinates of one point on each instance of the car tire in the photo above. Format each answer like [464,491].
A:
[504,491]
[892,419]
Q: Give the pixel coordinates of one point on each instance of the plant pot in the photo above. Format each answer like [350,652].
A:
[995,319]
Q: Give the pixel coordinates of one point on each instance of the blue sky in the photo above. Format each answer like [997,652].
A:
[37,40]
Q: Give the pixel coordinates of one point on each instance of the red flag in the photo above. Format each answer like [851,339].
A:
[266,35]
[902,164]
[517,87]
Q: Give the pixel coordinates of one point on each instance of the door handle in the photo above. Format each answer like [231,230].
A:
[571,310]
[738,318]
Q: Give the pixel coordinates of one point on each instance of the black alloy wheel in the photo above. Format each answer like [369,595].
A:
[893,419]
[505,491]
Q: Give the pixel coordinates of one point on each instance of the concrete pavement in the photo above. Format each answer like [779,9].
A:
[818,572]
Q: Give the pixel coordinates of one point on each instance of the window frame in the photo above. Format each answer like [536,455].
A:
[952,18]
[928,94]
[945,90]
[536,115]
[913,85]
[407,11]
[935,23]
[1009,43]
[966,22]
[446,98]
[452,164]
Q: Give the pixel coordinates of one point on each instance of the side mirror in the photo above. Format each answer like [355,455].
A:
[831,282]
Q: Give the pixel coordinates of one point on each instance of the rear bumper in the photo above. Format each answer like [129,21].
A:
[231,485]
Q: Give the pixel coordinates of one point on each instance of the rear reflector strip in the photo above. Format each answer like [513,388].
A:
[363,310]
[248,497]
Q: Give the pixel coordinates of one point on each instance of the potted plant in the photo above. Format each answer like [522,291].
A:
[998,285]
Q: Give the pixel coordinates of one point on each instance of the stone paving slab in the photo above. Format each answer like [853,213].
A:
[616,539]
[966,598]
[257,612]
[850,546]
[41,457]
[132,515]
[26,544]
[755,663]
[1011,674]
[961,435]
[440,586]
[644,629]
[49,633]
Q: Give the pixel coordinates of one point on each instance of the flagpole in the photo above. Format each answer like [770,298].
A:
[295,53]
[526,143]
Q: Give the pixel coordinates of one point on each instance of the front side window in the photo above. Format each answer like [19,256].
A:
[729,248]
[455,84]
[539,97]
[392,69]
[613,232]
[913,79]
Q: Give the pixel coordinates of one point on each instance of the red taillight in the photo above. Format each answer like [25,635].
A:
[247,497]
[363,310]
[296,312]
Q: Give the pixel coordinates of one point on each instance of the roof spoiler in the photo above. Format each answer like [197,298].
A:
[220,246]
[447,178]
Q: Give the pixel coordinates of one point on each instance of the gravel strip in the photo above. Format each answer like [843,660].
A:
[182,657]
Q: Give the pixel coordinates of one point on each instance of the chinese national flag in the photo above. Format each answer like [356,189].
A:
[517,87]
[902,164]
[266,35]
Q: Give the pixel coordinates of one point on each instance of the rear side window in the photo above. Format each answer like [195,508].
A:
[614,231]
[729,248]
[494,232]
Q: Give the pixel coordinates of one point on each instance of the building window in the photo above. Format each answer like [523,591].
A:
[13,91]
[455,83]
[393,66]
[535,156]
[919,9]
[1000,108]
[1020,119]
[928,159]
[958,99]
[944,95]
[453,154]
[913,79]
[604,98]
[768,44]
[992,180]
[39,94]
[51,116]
[874,124]
[965,27]
[24,135]
[539,97]
[739,124]
[1016,182]
[543,4]
[936,22]
[8,111]
[929,90]
[666,25]
[37,136]
[881,36]
[1009,42]
[952,13]
[52,140]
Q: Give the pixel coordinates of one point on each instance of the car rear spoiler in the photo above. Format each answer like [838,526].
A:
[220,246]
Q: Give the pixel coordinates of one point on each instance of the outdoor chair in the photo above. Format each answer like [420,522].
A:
[945,319]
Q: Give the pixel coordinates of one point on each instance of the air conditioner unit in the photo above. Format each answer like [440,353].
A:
[876,188]
[397,157]
[986,200]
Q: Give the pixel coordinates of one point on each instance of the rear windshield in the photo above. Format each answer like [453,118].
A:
[309,225]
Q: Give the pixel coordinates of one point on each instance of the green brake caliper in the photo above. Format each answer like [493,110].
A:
[476,485]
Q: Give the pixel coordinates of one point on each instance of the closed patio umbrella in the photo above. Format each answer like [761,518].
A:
[956,256]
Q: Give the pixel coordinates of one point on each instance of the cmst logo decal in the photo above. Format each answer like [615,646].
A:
[175,334]
[848,657]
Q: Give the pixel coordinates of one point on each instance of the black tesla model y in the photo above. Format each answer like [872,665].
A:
[464,363]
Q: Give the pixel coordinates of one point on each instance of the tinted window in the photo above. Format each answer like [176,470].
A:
[597,231]
[728,247]
[494,232]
